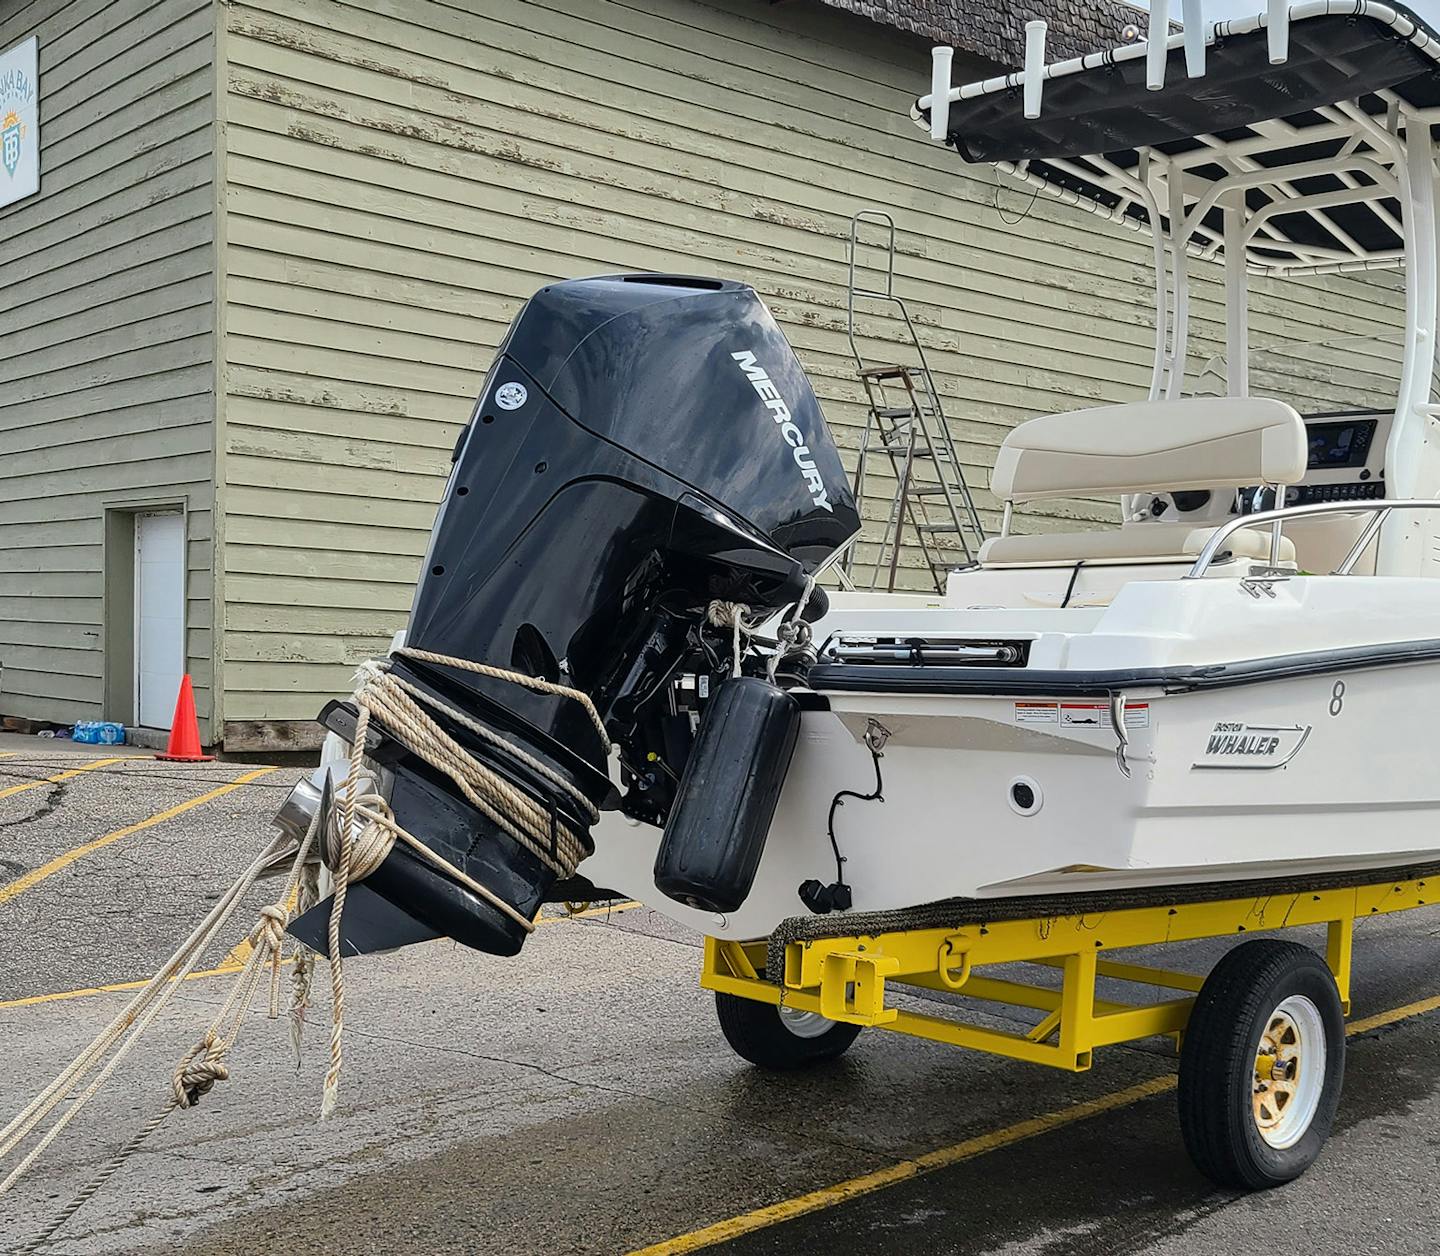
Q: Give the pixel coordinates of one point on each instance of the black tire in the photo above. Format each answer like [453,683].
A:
[1222,1099]
[757,1033]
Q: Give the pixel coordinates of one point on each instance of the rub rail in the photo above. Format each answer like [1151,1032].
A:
[1381,510]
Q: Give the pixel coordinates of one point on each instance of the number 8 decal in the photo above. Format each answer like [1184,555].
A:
[1337,698]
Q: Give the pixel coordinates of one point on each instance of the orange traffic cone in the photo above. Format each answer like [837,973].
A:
[184,744]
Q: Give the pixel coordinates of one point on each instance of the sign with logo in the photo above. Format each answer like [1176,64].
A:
[19,122]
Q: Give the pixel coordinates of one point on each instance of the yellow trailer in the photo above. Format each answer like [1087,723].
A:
[1261,1037]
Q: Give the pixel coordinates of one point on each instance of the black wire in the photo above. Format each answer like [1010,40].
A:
[1070,588]
[1006,219]
[839,801]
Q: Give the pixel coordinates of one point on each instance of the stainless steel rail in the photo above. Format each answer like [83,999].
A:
[1380,509]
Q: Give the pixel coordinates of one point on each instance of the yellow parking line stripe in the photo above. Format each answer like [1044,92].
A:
[235,960]
[17,887]
[119,986]
[970,1149]
[829,1196]
[226,969]
[1393,1017]
[58,777]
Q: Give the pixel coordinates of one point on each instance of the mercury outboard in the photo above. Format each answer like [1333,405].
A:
[645,447]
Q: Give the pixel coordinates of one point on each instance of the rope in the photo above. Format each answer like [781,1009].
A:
[198,1071]
[364,829]
[732,615]
[793,632]
[516,678]
[302,976]
[358,838]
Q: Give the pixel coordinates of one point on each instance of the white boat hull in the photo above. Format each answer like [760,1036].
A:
[1324,772]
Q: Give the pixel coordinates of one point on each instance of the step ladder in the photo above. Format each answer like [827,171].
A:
[906,425]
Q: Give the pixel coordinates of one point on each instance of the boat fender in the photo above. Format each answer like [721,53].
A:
[716,831]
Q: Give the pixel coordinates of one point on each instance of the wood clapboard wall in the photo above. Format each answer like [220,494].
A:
[106,335]
[402,174]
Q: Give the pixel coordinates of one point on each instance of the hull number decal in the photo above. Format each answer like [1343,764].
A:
[1237,745]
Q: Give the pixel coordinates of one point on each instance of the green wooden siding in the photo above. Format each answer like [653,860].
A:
[106,345]
[402,174]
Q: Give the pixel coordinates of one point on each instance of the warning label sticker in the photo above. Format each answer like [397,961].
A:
[1097,715]
[1137,716]
[1080,714]
[1084,714]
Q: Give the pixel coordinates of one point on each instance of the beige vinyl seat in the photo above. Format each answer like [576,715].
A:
[1145,447]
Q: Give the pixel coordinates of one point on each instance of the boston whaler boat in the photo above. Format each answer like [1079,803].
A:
[620,676]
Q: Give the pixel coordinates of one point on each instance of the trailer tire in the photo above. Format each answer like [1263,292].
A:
[1262,1064]
[783,1040]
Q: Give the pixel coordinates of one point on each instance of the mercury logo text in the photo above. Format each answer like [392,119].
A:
[791,434]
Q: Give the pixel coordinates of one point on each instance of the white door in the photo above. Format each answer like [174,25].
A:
[159,616]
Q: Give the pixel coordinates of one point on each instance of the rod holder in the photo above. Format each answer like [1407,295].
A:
[1034,66]
[940,59]
[1277,30]
[1156,42]
[1193,14]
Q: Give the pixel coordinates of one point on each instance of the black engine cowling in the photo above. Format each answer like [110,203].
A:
[643,445]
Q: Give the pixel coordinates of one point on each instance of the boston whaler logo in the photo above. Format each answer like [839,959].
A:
[1237,745]
[791,434]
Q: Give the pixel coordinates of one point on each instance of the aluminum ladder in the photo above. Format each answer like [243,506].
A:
[906,424]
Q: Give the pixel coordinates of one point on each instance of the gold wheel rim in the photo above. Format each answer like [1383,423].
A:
[1277,1068]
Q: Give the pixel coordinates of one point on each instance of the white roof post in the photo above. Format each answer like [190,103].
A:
[1277,27]
[1034,66]
[1155,41]
[1194,16]
[940,59]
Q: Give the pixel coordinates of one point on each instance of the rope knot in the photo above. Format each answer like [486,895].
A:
[732,615]
[198,1071]
[727,614]
[269,930]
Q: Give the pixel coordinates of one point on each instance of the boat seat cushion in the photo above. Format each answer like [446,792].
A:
[1139,542]
[1152,446]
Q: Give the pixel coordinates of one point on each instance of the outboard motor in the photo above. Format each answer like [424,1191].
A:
[644,447]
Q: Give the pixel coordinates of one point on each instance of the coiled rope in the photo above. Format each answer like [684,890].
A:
[365,830]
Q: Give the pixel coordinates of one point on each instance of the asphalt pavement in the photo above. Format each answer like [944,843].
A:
[580,1098]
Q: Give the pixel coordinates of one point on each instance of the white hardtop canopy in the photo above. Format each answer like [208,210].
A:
[1295,117]
[1294,142]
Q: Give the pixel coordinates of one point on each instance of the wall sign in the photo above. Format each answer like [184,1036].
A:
[19,121]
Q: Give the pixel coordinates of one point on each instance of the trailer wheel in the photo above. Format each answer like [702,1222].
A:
[784,1038]
[1262,1065]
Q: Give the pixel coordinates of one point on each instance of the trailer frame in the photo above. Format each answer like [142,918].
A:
[847,979]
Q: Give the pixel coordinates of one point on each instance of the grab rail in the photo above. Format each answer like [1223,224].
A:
[1381,509]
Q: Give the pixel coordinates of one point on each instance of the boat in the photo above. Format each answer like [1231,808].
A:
[1232,683]
[624,675]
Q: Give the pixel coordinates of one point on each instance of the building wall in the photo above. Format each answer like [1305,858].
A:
[106,319]
[402,174]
